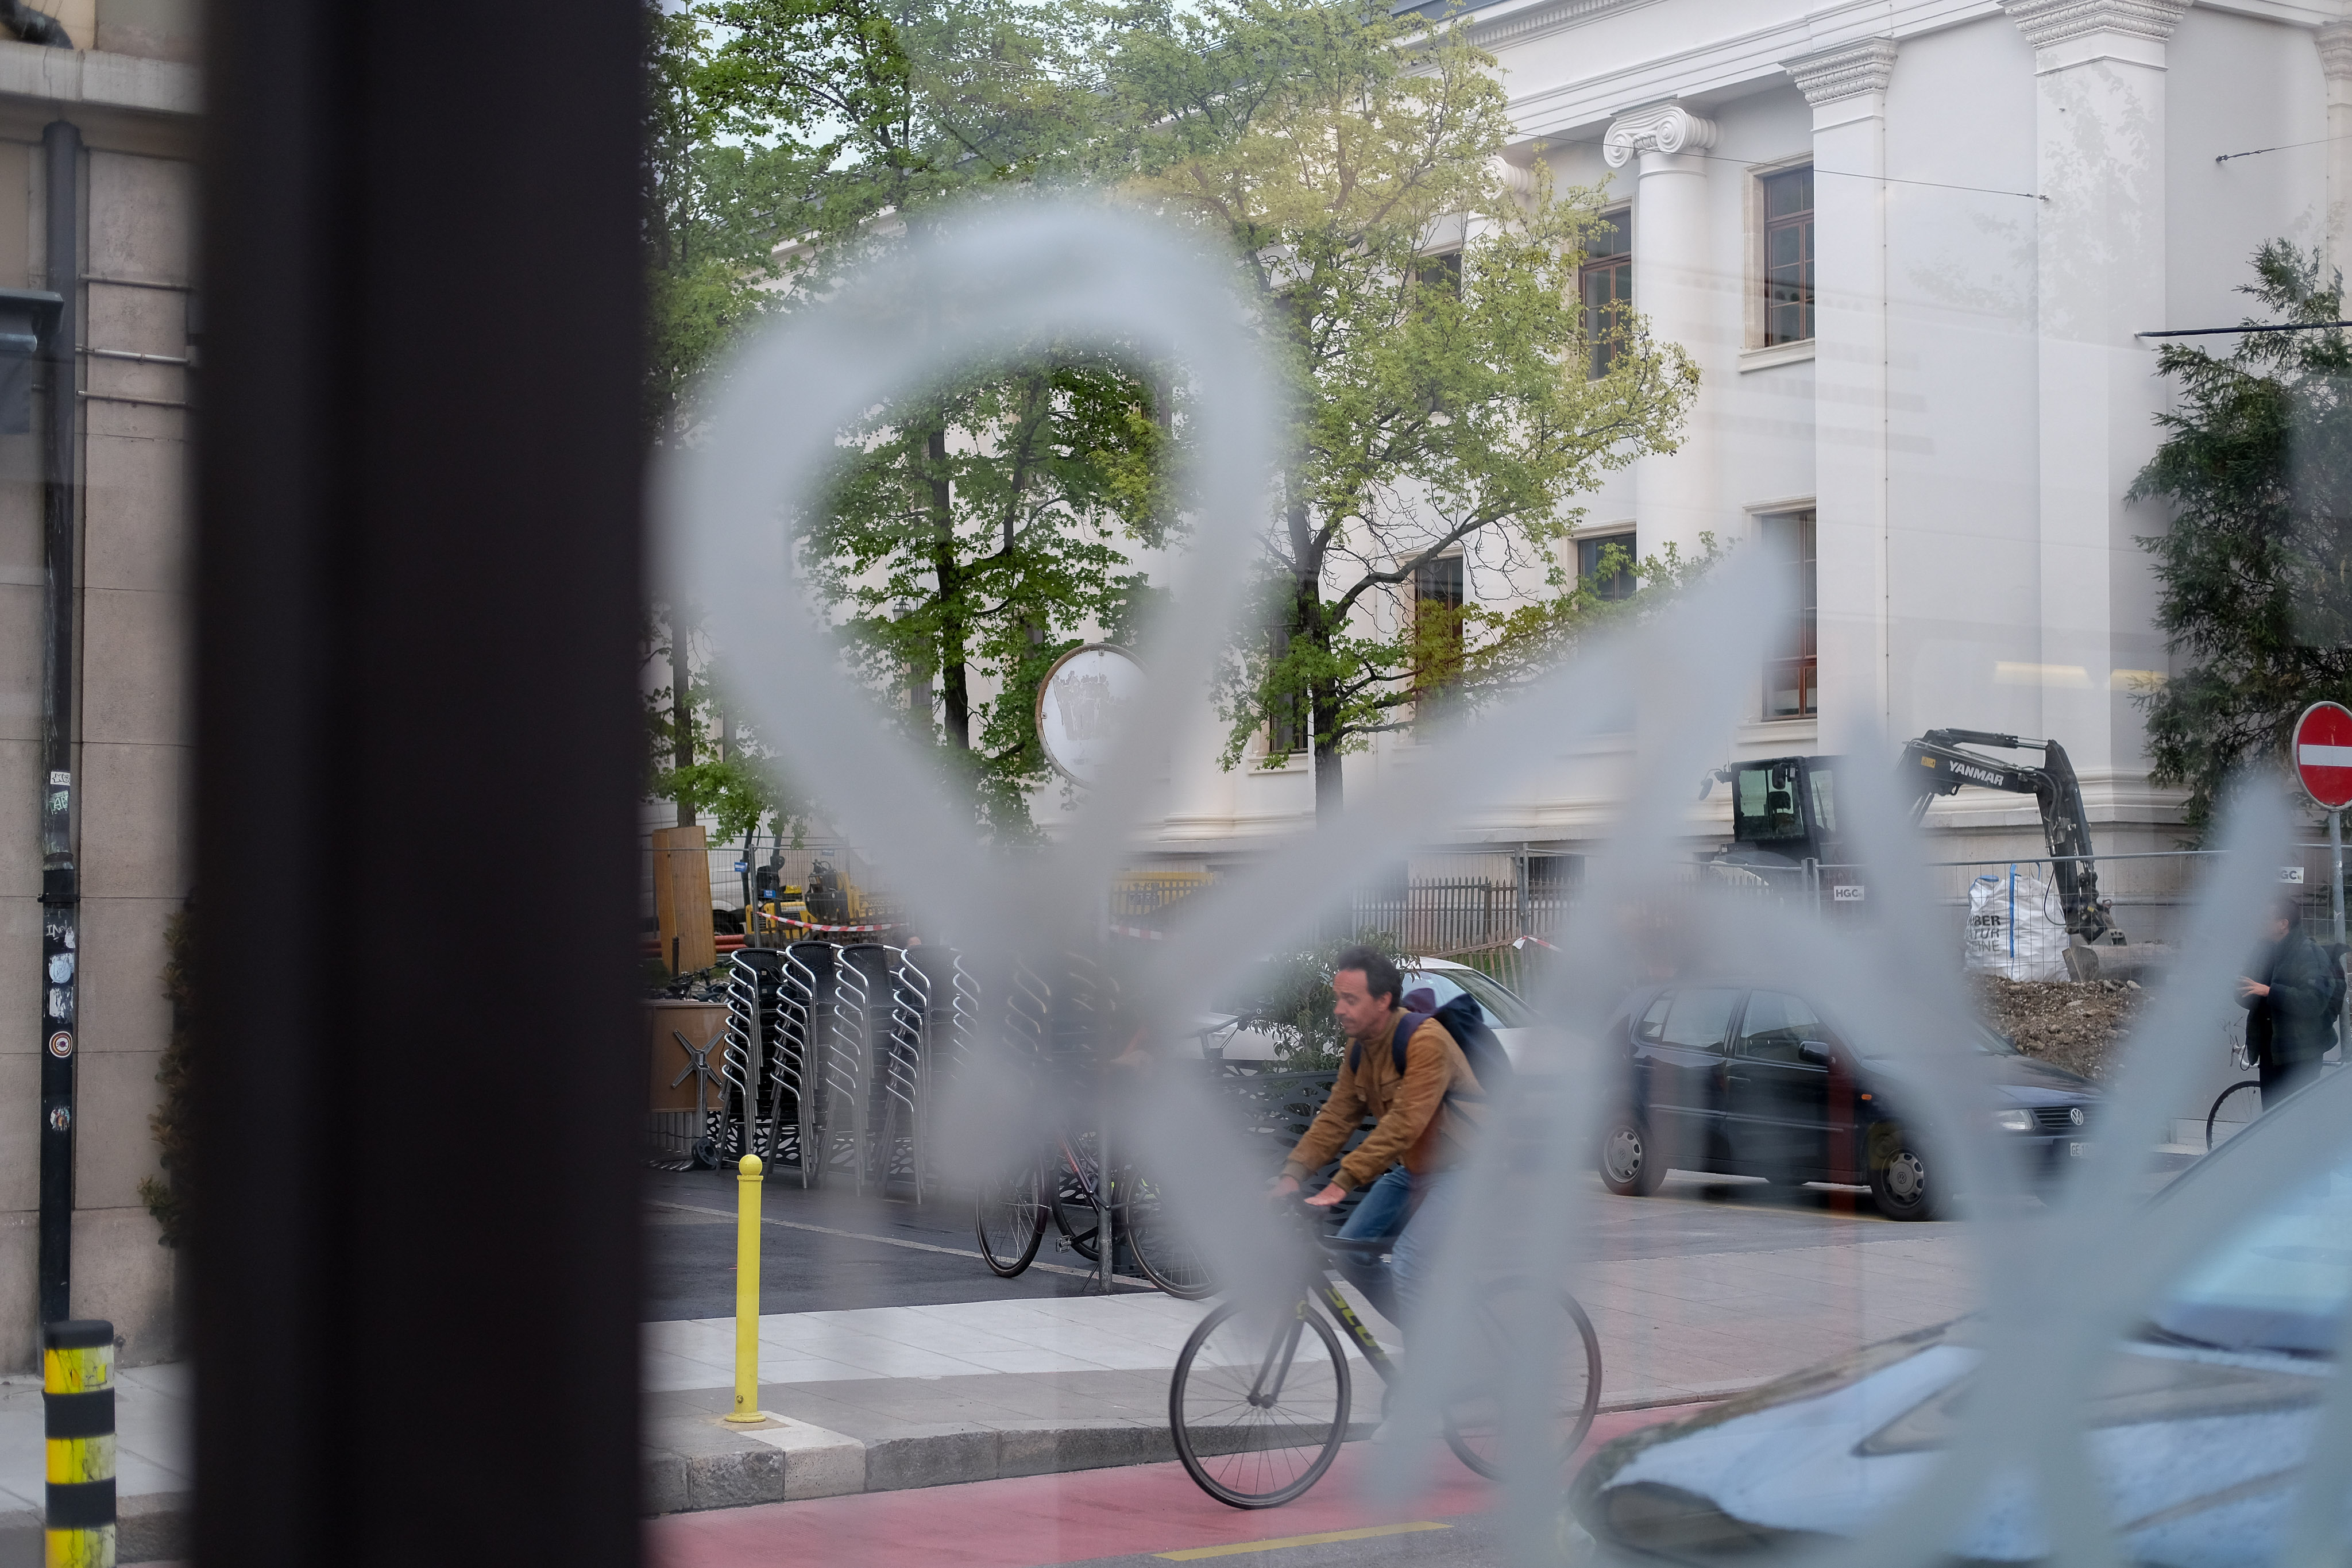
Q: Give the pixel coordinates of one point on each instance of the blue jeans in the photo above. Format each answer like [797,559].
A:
[1379,1215]
[1416,1214]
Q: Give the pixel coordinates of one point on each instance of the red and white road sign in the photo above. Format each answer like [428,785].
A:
[2322,754]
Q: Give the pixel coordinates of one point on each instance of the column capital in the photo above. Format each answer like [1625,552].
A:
[1849,70]
[2048,22]
[2335,41]
[1662,128]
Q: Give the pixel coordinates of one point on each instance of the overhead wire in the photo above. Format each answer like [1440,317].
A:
[1842,173]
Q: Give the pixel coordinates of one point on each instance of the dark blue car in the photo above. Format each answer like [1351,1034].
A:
[1751,1080]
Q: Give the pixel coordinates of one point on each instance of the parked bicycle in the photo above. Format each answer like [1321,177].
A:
[1067,1191]
[1260,1401]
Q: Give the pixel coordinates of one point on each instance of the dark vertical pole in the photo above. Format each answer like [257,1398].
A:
[60,884]
[420,414]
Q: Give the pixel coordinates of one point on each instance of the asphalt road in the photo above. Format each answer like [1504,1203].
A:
[837,1250]
[833,1251]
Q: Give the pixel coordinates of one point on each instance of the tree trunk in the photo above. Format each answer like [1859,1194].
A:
[1309,622]
[1331,797]
[681,710]
[955,691]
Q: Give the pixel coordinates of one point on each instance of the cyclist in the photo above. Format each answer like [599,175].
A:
[1426,1114]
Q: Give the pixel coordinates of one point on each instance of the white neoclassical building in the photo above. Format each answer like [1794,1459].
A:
[1911,245]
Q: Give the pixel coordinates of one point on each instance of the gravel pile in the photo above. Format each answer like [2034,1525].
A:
[2068,1023]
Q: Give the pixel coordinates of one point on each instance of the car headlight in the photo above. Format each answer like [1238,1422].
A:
[2013,1120]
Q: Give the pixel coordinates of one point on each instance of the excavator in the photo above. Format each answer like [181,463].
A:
[1784,816]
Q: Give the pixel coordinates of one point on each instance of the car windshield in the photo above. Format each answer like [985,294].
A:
[2282,1283]
[1501,1009]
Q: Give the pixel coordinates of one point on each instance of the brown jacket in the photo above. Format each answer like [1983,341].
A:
[1416,1121]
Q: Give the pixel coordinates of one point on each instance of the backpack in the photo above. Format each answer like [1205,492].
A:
[1462,1019]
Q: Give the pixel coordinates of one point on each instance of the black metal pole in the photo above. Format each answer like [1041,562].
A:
[417,584]
[60,887]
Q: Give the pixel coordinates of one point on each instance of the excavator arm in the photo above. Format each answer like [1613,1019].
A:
[1940,764]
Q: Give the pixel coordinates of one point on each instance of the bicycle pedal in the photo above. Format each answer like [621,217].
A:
[1064,1244]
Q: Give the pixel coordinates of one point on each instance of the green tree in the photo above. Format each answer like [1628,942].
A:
[987,525]
[2255,567]
[715,209]
[1444,404]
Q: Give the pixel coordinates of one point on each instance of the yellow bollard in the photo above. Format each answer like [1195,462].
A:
[747,1292]
[78,1398]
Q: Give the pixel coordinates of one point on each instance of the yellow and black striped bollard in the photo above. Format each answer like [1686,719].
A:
[77,1400]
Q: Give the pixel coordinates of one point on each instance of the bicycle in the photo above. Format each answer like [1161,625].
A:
[1011,1214]
[1257,1422]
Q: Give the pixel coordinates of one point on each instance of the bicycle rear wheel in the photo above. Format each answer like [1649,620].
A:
[1259,1404]
[2239,1104]
[1531,1364]
[1157,1243]
[1010,1220]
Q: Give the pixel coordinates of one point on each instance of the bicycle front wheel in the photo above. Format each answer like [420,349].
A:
[1157,1243]
[1010,1220]
[1530,1372]
[1259,1404]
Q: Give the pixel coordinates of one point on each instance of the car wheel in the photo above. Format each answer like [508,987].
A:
[1631,1165]
[1900,1177]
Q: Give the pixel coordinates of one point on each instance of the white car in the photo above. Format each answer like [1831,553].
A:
[1224,1036]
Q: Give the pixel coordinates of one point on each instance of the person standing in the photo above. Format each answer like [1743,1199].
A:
[2290,1000]
[1427,1113]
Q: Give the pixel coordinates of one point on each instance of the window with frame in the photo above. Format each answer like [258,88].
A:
[1437,600]
[1787,256]
[1604,564]
[1440,272]
[1607,278]
[1791,681]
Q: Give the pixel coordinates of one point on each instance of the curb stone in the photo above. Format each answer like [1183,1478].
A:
[694,1462]
[151,1527]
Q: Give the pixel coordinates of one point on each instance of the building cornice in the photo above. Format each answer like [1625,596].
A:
[1661,128]
[2334,42]
[2045,23]
[1849,70]
[90,78]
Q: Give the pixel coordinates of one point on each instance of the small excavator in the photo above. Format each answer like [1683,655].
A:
[1784,816]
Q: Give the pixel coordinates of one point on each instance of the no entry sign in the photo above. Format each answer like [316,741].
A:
[2322,754]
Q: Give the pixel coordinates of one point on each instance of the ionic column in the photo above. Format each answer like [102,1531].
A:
[1847,88]
[2099,165]
[2336,58]
[1675,286]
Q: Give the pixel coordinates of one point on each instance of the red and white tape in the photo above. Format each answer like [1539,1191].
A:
[810,925]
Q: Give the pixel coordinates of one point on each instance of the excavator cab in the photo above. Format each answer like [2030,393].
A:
[1783,809]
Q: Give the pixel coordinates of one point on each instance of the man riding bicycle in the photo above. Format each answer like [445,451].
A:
[1427,1113]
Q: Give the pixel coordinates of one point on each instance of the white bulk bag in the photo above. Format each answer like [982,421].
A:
[2016,928]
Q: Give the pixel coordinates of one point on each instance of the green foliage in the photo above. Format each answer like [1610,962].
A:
[700,761]
[985,526]
[2255,567]
[1291,1002]
[1443,406]
[173,1122]
[714,213]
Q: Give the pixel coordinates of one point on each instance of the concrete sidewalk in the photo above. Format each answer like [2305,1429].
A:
[885,1398]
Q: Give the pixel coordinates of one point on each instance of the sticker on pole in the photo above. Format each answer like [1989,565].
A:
[2322,754]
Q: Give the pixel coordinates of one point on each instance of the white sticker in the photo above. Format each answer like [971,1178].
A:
[2290,873]
[1850,893]
[61,780]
